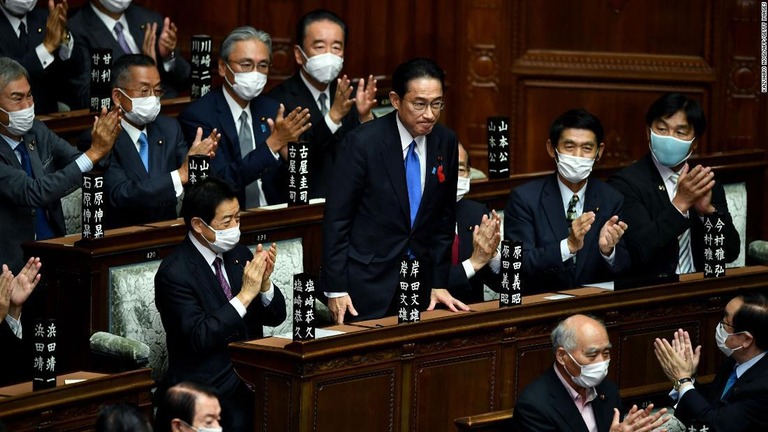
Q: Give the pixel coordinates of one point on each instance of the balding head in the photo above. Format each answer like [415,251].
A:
[577,341]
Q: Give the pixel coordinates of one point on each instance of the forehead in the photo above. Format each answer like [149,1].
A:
[19,85]
[678,119]
[227,208]
[733,306]
[324,30]
[206,406]
[425,88]
[144,75]
[251,49]
[578,136]
[591,336]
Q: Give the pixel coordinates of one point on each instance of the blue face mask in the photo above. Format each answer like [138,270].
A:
[670,151]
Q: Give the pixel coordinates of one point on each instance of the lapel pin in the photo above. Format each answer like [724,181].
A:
[159,142]
[661,187]
[39,30]
[31,144]
[602,397]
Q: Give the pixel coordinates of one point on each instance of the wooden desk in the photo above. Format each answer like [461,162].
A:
[420,377]
[73,407]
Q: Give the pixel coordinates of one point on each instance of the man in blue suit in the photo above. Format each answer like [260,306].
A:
[569,223]
[40,41]
[254,132]
[393,195]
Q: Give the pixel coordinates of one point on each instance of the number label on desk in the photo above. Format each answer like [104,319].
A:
[260,238]
[151,255]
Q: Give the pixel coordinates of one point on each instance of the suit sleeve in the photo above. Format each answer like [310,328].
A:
[446,220]
[123,191]
[272,315]
[621,261]
[734,416]
[520,225]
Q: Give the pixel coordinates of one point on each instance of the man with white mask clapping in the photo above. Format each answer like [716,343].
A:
[570,223]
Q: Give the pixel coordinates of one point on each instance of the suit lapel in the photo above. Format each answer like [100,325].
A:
[304,98]
[38,170]
[129,157]
[157,145]
[136,27]
[99,31]
[224,118]
[36,21]
[202,271]
[591,202]
[234,268]
[756,372]
[552,202]
[566,407]
[392,157]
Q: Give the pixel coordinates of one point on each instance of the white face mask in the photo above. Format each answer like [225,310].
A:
[574,168]
[247,85]
[591,374]
[145,109]
[20,8]
[115,6]
[720,336]
[462,188]
[226,239]
[20,122]
[203,429]
[323,67]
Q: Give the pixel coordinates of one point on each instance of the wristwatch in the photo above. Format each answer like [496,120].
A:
[680,382]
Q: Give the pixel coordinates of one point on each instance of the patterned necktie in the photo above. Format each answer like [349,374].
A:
[684,259]
[43,229]
[144,150]
[321,100]
[413,179]
[121,38]
[23,37]
[731,380]
[245,136]
[222,280]
[571,213]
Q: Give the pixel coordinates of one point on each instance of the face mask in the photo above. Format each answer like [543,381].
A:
[574,168]
[247,85]
[203,429]
[226,239]
[20,8]
[720,336]
[145,109]
[670,151]
[462,188]
[20,122]
[115,6]
[591,374]
[323,67]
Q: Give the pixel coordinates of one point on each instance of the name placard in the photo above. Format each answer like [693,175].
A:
[498,147]
[101,79]
[511,293]
[408,292]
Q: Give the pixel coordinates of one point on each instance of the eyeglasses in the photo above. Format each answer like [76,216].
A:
[249,66]
[723,323]
[420,106]
[147,92]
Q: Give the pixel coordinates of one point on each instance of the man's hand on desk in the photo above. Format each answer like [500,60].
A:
[441,295]
[339,306]
[638,420]
[678,360]
[610,234]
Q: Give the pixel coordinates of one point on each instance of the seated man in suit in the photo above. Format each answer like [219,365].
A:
[188,406]
[475,258]
[14,291]
[40,41]
[665,200]
[126,28]
[573,395]
[37,168]
[319,51]
[254,132]
[148,166]
[736,400]
[570,223]
[211,291]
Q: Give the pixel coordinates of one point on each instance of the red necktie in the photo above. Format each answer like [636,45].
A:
[455,251]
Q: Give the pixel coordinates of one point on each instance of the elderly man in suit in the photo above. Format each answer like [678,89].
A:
[126,28]
[211,291]
[319,51]
[37,168]
[665,199]
[40,41]
[148,165]
[393,195]
[573,395]
[254,131]
[570,223]
[736,400]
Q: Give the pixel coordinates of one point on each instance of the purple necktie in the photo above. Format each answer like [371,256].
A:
[222,281]
[121,39]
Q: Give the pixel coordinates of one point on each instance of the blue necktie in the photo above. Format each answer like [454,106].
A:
[118,29]
[43,229]
[413,179]
[729,383]
[144,150]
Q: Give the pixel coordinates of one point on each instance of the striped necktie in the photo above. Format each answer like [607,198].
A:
[684,258]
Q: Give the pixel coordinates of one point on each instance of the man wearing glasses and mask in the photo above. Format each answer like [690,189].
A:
[570,223]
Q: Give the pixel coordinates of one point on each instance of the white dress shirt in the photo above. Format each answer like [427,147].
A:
[134,134]
[46,58]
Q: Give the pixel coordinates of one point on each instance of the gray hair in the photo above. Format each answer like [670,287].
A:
[10,70]
[564,335]
[244,33]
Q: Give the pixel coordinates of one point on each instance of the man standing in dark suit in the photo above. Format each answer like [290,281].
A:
[148,165]
[665,201]
[40,41]
[573,395]
[475,258]
[736,400]
[14,291]
[393,195]
[126,28]
[320,40]
[570,224]
[37,168]
[254,132]
[211,291]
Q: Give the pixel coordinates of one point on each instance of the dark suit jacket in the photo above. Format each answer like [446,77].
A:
[366,226]
[199,322]
[135,196]
[654,223]
[323,144]
[468,214]
[91,33]
[535,216]
[56,175]
[545,405]
[743,409]
[211,111]
[17,360]
[48,84]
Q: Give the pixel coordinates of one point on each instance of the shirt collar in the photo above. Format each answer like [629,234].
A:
[14,21]
[591,392]
[11,142]
[405,136]
[208,255]
[742,368]
[664,171]
[132,131]
[234,107]
[109,21]
[315,92]
[566,193]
